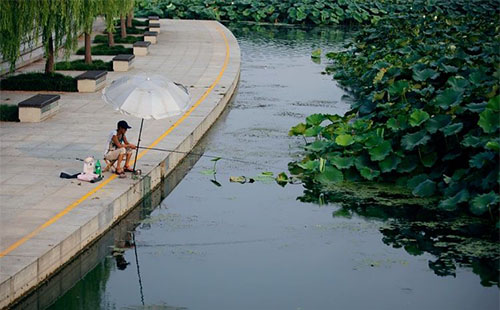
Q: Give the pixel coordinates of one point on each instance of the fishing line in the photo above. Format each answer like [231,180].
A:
[211,156]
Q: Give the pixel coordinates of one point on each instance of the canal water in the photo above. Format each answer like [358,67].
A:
[214,244]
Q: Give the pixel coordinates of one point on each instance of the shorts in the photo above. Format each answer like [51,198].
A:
[113,155]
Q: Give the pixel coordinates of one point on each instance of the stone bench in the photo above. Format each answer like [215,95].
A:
[150,36]
[38,108]
[153,19]
[91,81]
[141,48]
[123,62]
[154,27]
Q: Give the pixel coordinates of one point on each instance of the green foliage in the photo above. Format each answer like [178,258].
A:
[104,49]
[118,39]
[80,65]
[135,23]
[9,113]
[427,106]
[318,12]
[39,81]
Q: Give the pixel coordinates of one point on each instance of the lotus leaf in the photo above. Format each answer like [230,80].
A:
[428,160]
[452,129]
[425,189]
[344,140]
[481,203]
[381,151]
[313,131]
[479,160]
[330,175]
[297,130]
[315,119]
[369,173]
[418,117]
[342,162]
[424,75]
[489,121]
[437,122]
[448,98]
[398,88]
[451,204]
[411,140]
[318,146]
[390,163]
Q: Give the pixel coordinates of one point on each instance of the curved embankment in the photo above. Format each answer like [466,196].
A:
[46,221]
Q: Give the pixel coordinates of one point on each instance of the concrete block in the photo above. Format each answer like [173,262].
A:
[5,292]
[49,262]
[70,246]
[91,81]
[25,279]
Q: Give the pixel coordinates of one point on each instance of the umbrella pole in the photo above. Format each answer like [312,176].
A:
[138,143]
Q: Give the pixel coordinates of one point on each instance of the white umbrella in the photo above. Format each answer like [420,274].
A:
[147,97]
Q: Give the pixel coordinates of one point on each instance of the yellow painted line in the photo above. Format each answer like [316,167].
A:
[113,176]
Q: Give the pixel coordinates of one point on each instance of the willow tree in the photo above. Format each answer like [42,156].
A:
[110,11]
[16,26]
[88,13]
[124,8]
[59,26]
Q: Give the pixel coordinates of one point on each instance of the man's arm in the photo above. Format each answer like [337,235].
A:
[130,145]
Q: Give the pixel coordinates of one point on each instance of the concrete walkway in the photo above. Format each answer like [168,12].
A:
[45,220]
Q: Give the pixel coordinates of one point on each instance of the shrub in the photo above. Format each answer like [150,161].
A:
[118,39]
[80,65]
[9,113]
[40,81]
[104,49]
[131,31]
[135,23]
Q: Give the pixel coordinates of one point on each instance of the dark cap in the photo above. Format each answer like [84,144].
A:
[123,124]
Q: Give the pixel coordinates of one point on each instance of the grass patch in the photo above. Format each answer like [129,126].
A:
[80,65]
[104,49]
[9,113]
[131,30]
[40,81]
[135,22]
[118,39]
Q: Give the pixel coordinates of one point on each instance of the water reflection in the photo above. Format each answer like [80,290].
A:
[453,240]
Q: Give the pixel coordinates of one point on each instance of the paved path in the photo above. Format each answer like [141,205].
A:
[45,220]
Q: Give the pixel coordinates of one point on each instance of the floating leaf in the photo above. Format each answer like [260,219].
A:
[416,180]
[330,175]
[318,146]
[316,53]
[390,163]
[479,160]
[207,172]
[417,117]
[452,129]
[437,122]
[428,160]
[489,121]
[398,88]
[297,130]
[309,165]
[239,179]
[313,131]
[381,151]
[282,179]
[369,173]
[342,162]
[424,75]
[481,203]
[216,159]
[315,119]
[425,189]
[451,204]
[411,140]
[448,98]
[342,212]
[344,140]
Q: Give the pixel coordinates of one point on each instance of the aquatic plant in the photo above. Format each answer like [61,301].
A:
[426,109]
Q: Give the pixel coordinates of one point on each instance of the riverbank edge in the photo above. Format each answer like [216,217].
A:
[122,205]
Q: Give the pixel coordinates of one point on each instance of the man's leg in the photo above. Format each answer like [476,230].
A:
[127,160]
[118,163]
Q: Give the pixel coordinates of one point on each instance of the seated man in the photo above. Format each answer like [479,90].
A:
[118,148]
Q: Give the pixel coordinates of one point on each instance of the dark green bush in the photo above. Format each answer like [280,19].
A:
[118,39]
[39,81]
[135,23]
[9,113]
[131,31]
[80,65]
[104,49]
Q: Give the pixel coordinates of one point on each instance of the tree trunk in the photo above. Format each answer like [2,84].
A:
[122,27]
[88,51]
[49,65]
[130,16]
[111,39]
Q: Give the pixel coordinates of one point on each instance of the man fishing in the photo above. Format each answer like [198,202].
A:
[118,147]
